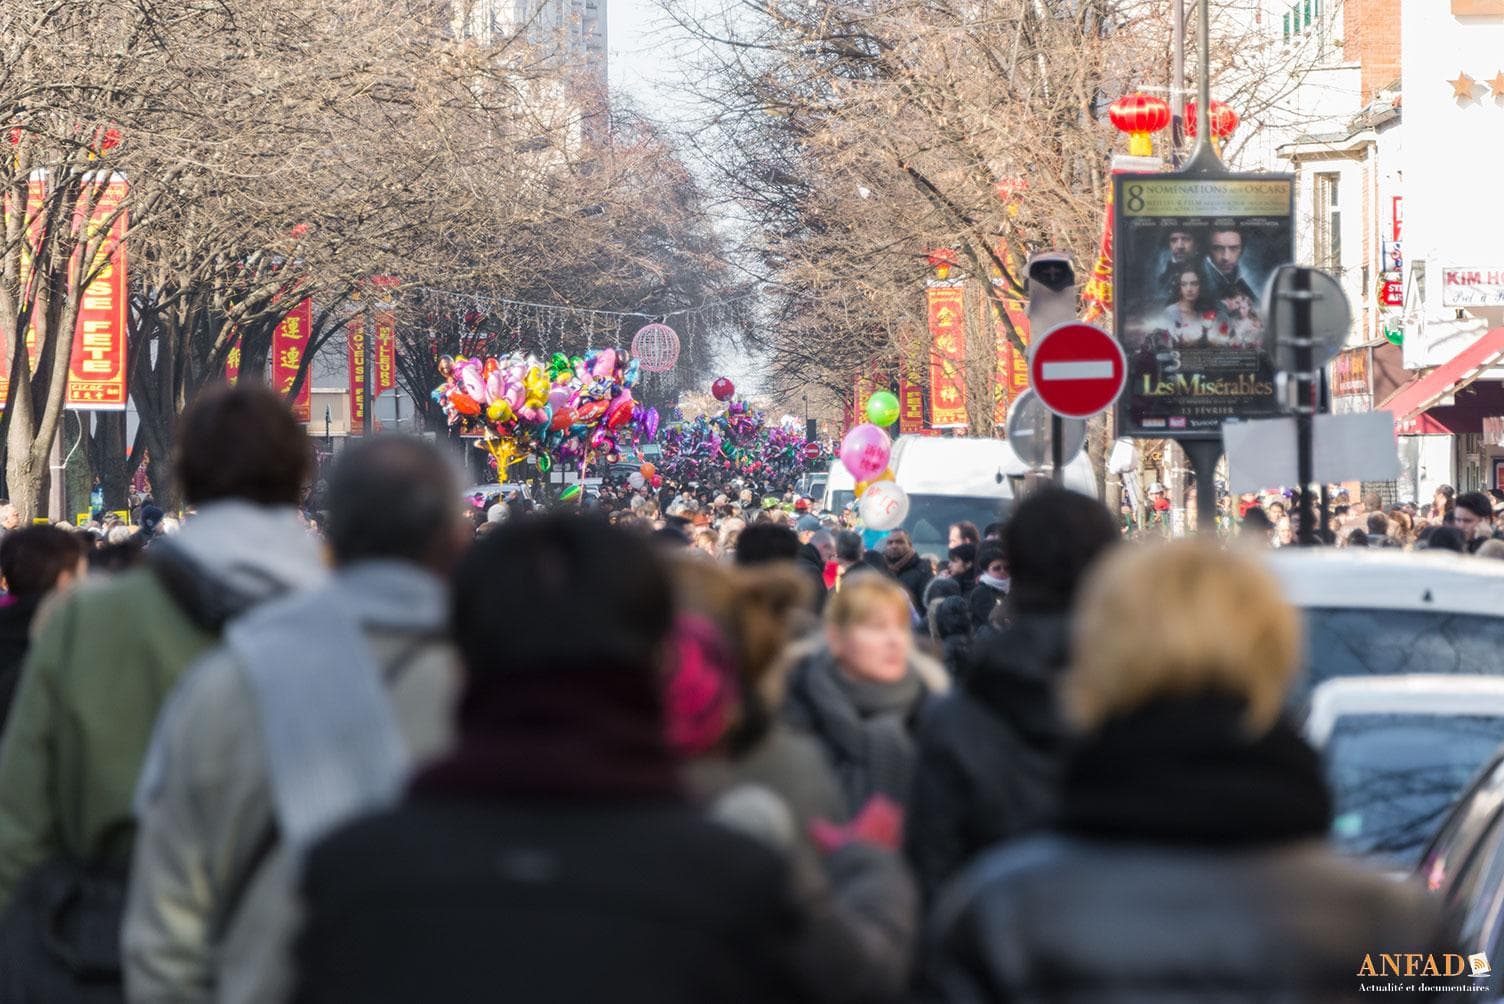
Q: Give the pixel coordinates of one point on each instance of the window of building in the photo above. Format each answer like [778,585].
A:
[1328,221]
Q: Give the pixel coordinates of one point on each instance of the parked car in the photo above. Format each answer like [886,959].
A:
[1464,865]
[1372,612]
[1398,751]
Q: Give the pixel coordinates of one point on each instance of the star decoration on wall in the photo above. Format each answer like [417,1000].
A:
[1463,86]
[1497,85]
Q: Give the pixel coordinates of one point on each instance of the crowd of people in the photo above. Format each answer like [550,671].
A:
[719,752]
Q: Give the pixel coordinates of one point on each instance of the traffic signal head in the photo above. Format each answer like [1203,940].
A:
[1050,283]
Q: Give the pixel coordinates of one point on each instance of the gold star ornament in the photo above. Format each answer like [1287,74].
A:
[1497,85]
[1463,86]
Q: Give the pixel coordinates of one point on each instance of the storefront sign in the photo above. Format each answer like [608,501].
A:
[1194,255]
[1350,374]
[1472,287]
[355,344]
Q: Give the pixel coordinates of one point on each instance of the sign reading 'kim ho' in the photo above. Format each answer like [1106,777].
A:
[1472,287]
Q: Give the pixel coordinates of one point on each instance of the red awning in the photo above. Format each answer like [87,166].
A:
[1448,378]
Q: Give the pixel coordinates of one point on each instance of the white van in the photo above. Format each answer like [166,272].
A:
[952,481]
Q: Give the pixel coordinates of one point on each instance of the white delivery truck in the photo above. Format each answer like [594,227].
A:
[954,480]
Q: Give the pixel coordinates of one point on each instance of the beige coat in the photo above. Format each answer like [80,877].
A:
[201,831]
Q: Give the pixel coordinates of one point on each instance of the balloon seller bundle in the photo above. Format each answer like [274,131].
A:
[565,409]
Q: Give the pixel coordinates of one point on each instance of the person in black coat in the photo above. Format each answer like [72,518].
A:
[34,561]
[1188,860]
[905,565]
[992,583]
[554,855]
[990,752]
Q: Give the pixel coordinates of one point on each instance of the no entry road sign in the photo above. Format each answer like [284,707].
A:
[1077,370]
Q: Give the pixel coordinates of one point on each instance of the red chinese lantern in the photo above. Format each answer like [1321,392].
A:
[723,389]
[1139,115]
[15,136]
[942,260]
[1223,119]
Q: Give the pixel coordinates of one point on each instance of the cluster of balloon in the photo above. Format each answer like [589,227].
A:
[566,408]
[865,452]
[738,442]
[645,475]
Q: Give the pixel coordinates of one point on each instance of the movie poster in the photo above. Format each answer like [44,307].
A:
[1192,258]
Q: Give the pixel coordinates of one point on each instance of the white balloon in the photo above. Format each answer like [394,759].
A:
[636,480]
[884,506]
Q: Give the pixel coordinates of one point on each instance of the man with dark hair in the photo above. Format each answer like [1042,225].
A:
[1473,517]
[990,753]
[905,565]
[34,561]
[764,542]
[100,667]
[312,711]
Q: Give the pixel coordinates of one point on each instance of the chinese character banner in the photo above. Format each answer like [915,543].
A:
[289,346]
[96,370]
[947,320]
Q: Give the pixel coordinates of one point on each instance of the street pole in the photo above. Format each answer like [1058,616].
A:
[1177,83]
[1305,401]
[1057,448]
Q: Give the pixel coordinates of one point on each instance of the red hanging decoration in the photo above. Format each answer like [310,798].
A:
[1139,115]
[1223,119]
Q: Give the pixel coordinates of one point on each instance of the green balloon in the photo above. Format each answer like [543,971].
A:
[882,408]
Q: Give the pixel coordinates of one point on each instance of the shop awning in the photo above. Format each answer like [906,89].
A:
[1448,378]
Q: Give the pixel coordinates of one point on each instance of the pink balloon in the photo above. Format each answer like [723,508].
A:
[558,397]
[865,451]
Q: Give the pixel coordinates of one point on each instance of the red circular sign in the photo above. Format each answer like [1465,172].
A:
[812,451]
[1077,370]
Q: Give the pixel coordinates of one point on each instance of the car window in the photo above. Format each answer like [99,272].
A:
[1386,642]
[930,518]
[1394,777]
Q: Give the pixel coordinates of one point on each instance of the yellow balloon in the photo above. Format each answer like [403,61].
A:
[886,475]
[536,385]
[494,411]
[861,488]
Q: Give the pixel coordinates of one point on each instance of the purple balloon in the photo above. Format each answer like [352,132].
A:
[559,397]
[650,424]
[865,451]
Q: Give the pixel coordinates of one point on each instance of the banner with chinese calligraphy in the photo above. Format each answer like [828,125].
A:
[36,232]
[947,321]
[355,344]
[289,345]
[1011,377]
[386,353]
[861,390]
[232,362]
[96,371]
[910,407]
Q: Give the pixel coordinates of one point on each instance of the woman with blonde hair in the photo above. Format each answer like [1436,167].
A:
[1188,862]
[861,688]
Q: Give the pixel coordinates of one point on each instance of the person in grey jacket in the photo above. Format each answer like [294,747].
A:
[1188,860]
[314,710]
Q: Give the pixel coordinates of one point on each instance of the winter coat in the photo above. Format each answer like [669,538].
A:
[1188,864]
[811,564]
[872,753]
[15,640]
[914,575]
[456,900]
[104,662]
[990,752]
[209,828]
[984,599]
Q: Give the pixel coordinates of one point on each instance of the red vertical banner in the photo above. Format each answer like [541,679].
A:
[96,370]
[1096,298]
[232,361]
[910,407]
[386,353]
[355,343]
[289,346]
[861,390]
[947,321]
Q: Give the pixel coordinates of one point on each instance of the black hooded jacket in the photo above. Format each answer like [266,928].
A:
[991,752]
